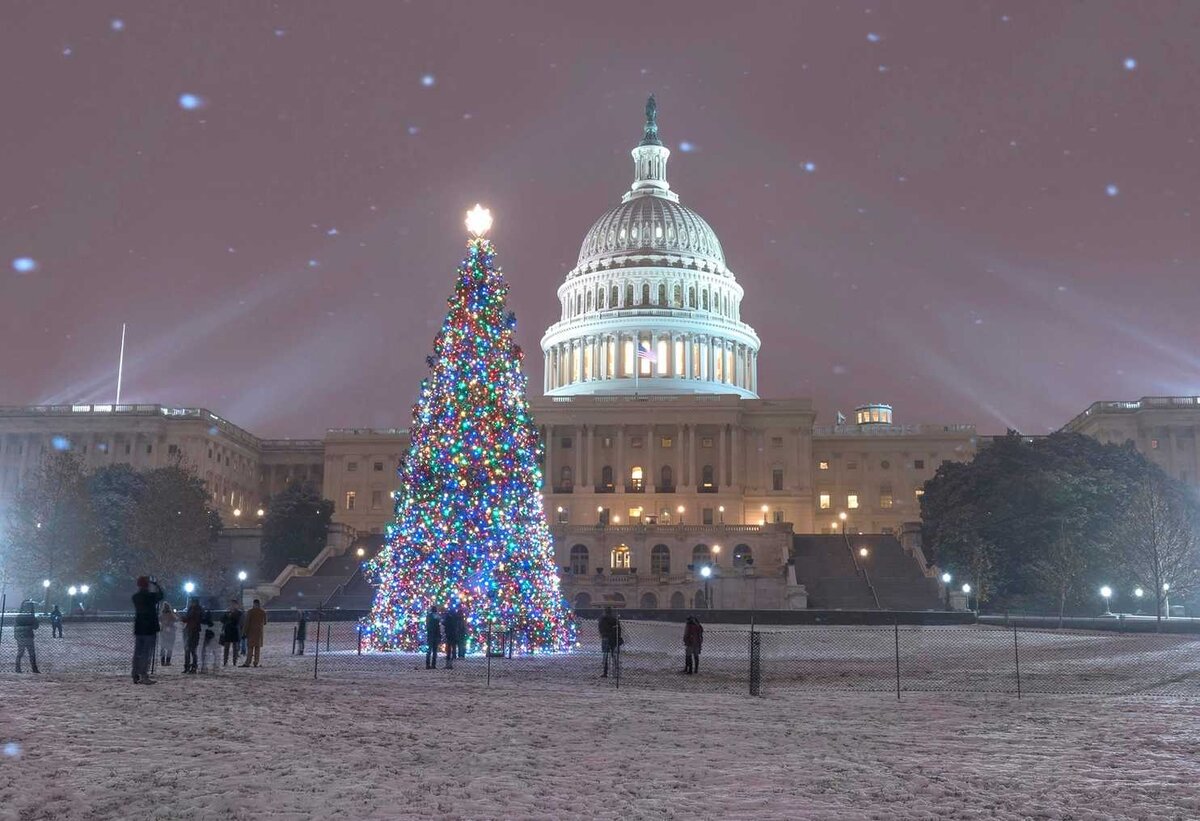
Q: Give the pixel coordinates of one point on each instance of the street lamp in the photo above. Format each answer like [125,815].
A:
[237,513]
[946,579]
[680,510]
[242,575]
[966,589]
[189,588]
[862,552]
[716,549]
[706,574]
[362,551]
[1137,594]
[1166,600]
[764,513]
[721,512]
[842,517]
[1106,592]
[260,513]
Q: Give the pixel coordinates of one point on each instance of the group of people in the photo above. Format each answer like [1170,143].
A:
[611,639]
[156,622]
[449,628]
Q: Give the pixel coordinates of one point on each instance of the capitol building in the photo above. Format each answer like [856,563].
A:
[660,458]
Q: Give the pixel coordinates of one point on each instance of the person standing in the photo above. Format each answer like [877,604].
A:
[610,638]
[23,629]
[231,630]
[208,650]
[453,622]
[693,637]
[302,632]
[256,625]
[167,626]
[56,623]
[433,638]
[191,620]
[145,627]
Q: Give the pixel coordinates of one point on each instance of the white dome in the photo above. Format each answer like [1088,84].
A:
[650,225]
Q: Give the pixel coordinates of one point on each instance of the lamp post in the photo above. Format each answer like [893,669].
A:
[680,511]
[842,517]
[260,513]
[716,550]
[863,553]
[599,514]
[764,513]
[1106,592]
[188,588]
[1137,594]
[946,579]
[721,513]
[966,589]
[237,515]
[1166,601]
[706,574]
[45,594]
[242,586]
[83,591]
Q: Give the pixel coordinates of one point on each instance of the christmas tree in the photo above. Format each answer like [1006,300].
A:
[470,530]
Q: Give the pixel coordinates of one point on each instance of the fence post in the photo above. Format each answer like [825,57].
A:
[295,634]
[317,655]
[328,628]
[360,639]
[897,628]
[1017,659]
[755,662]
[489,653]
[3,607]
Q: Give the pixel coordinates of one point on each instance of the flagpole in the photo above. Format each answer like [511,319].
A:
[121,363]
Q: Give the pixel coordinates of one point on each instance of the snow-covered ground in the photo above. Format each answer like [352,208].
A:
[267,743]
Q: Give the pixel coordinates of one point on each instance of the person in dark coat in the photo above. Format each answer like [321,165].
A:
[433,637]
[192,619]
[610,638]
[23,629]
[693,637]
[454,628]
[301,632]
[231,631]
[56,623]
[145,627]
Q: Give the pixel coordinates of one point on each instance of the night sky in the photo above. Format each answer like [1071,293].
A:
[979,212]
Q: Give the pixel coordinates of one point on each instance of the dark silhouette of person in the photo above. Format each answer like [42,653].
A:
[302,632]
[693,637]
[23,628]
[56,623]
[610,638]
[145,627]
[433,638]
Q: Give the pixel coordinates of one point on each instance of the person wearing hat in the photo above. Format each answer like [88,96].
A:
[145,627]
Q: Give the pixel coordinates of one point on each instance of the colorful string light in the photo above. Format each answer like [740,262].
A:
[470,529]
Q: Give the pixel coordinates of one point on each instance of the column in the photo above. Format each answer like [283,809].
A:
[594,342]
[687,356]
[579,453]
[693,477]
[589,434]
[548,438]
[651,477]
[712,359]
[723,464]
[734,434]
[619,468]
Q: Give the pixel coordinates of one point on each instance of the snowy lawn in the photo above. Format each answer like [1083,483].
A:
[267,743]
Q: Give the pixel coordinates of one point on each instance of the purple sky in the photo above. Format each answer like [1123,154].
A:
[282,251]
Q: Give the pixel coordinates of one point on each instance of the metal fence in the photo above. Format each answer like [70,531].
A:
[737,659]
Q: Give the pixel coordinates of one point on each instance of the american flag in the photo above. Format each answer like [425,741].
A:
[645,353]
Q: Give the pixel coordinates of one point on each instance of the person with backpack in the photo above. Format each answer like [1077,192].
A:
[693,637]
[231,631]
[145,627]
[23,629]
[191,620]
[56,623]
[610,638]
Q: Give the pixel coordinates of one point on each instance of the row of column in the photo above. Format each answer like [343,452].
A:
[679,356]
[725,464]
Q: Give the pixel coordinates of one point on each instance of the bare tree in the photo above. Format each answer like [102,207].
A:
[1161,539]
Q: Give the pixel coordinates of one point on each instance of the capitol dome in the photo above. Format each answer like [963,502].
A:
[651,306]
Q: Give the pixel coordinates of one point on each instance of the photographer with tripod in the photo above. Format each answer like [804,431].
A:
[145,627]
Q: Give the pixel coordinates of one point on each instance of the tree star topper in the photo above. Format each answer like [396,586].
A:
[479,220]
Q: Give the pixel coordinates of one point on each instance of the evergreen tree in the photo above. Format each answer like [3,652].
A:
[470,529]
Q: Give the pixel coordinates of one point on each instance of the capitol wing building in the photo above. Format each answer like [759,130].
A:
[668,482]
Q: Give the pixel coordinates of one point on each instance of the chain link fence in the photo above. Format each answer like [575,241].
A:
[734,658]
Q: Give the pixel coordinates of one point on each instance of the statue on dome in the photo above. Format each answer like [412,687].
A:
[651,135]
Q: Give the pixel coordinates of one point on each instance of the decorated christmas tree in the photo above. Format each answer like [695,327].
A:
[470,530]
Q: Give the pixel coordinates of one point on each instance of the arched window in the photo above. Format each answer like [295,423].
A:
[645,293]
[692,297]
[583,601]
[662,294]
[701,554]
[600,299]
[649,601]
[606,476]
[677,600]
[578,303]
[666,479]
[678,301]
[706,476]
[566,478]
[589,300]
[621,557]
[629,295]
[698,600]
[742,556]
[660,560]
[579,560]
[636,477]
[616,295]
[705,300]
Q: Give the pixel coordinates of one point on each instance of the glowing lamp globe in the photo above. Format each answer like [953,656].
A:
[45,582]
[706,571]
[966,588]
[946,578]
[479,220]
[84,589]
[1106,591]
[241,575]
[1137,591]
[189,588]
[71,591]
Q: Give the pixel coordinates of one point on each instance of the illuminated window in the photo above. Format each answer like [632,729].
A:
[885,496]
[852,500]
[635,477]
[665,442]
[564,515]
[919,493]
[350,497]
[706,442]
[822,466]
[679,357]
[662,363]
[825,501]
[621,557]
[627,356]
